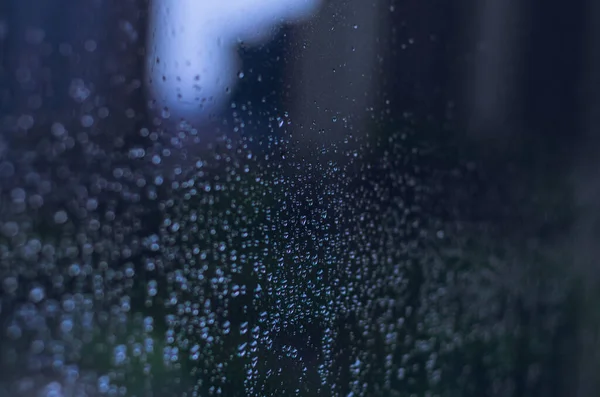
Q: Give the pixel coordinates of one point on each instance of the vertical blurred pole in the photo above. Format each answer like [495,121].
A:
[414,52]
[335,71]
[585,236]
[492,83]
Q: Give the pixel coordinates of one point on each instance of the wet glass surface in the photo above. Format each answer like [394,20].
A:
[302,198]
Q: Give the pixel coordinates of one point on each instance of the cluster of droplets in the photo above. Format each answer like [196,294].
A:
[131,265]
[252,264]
[282,272]
[70,232]
[285,275]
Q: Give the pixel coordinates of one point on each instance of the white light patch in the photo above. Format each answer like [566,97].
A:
[192,64]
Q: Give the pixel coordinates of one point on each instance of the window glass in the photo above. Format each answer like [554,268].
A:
[298,198]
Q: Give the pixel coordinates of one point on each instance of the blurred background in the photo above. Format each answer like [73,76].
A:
[334,197]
